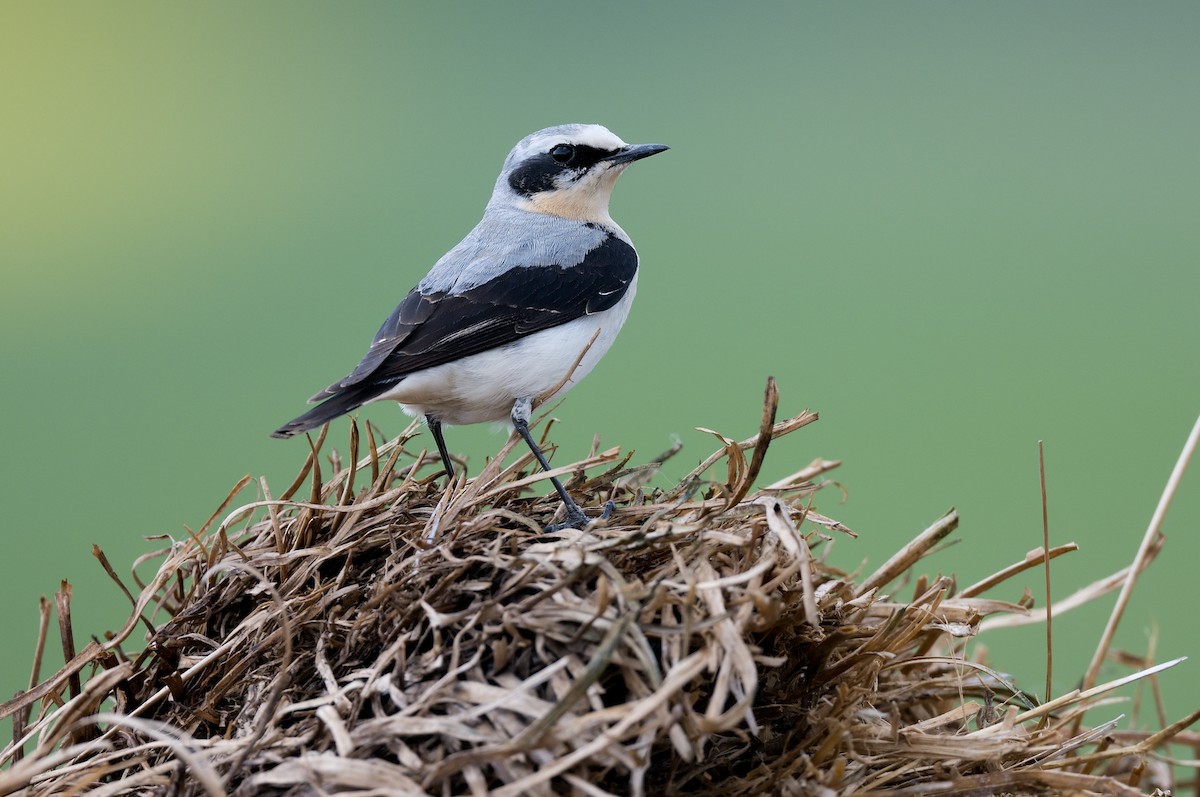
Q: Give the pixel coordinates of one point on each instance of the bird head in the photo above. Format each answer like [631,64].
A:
[567,171]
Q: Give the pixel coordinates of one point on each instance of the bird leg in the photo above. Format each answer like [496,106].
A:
[435,428]
[576,518]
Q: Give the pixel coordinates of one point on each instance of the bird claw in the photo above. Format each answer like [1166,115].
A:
[578,519]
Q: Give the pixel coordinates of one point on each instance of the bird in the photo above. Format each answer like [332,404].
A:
[519,311]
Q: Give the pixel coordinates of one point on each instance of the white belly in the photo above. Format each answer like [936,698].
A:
[483,387]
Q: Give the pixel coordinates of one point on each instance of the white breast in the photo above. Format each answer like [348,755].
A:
[484,386]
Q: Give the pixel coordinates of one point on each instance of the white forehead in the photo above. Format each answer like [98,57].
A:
[596,136]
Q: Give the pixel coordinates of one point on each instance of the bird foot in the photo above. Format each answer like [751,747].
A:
[578,519]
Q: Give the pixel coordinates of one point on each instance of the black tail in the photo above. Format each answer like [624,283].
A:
[327,410]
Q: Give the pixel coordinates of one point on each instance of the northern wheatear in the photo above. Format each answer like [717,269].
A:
[531,299]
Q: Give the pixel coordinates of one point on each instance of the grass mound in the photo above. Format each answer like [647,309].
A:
[383,635]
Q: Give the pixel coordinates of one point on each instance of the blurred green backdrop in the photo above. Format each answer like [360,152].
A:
[953,229]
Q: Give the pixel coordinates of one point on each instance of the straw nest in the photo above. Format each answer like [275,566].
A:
[384,635]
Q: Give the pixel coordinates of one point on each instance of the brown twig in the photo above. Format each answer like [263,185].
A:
[1148,540]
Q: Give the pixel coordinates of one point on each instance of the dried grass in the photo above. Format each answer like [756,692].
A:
[384,636]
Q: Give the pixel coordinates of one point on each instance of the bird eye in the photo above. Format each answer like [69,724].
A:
[563,153]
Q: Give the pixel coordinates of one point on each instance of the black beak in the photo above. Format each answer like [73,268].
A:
[635,152]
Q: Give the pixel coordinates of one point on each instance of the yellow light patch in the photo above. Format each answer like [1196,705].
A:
[586,201]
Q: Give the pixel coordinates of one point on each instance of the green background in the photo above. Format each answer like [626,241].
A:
[952,228]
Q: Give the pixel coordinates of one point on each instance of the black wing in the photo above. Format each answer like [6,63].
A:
[428,330]
[431,329]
